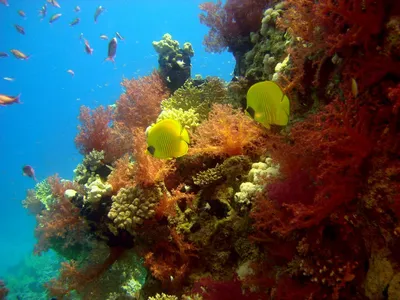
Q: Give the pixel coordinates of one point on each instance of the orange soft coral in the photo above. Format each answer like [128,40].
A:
[122,175]
[227,131]
[140,106]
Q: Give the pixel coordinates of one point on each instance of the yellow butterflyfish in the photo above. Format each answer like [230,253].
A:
[167,139]
[267,104]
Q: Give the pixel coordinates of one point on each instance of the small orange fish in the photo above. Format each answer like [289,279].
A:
[87,47]
[18,54]
[8,100]
[22,13]
[354,88]
[20,29]
[54,3]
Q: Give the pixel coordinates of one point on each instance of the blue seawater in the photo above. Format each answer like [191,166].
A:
[40,132]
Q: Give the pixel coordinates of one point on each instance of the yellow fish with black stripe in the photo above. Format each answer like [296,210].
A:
[267,104]
[167,139]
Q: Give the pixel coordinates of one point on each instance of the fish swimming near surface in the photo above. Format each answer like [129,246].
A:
[54,3]
[167,139]
[18,54]
[77,9]
[54,18]
[104,37]
[22,13]
[71,72]
[74,22]
[4,2]
[112,50]
[20,29]
[9,78]
[3,54]
[88,50]
[98,12]
[119,36]
[43,11]
[267,104]
[29,171]
[8,100]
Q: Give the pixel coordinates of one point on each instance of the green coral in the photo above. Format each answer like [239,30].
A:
[199,98]
[166,46]
[269,48]
[163,296]
[43,193]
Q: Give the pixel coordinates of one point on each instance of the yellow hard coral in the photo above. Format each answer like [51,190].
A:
[131,206]
[188,118]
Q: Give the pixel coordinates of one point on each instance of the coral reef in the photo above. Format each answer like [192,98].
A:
[309,211]
[174,62]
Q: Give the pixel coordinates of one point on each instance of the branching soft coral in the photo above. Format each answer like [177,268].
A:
[82,280]
[230,23]
[122,175]
[61,222]
[95,131]
[227,131]
[139,106]
[171,259]
[58,186]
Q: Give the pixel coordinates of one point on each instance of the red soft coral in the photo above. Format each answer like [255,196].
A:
[140,106]
[95,131]
[230,23]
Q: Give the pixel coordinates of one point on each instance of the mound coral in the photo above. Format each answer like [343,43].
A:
[131,206]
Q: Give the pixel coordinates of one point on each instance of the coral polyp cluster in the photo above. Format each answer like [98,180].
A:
[310,210]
